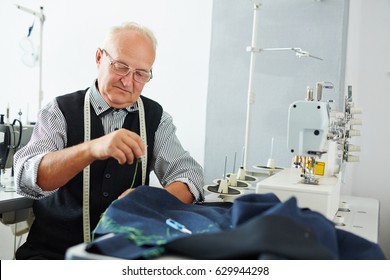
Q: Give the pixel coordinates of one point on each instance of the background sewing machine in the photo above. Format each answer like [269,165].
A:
[13,207]
[318,137]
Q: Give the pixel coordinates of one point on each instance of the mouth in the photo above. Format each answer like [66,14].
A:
[123,90]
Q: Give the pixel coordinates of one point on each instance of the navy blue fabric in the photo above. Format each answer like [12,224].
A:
[262,237]
[138,222]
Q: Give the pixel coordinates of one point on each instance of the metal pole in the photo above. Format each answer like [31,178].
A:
[41,18]
[40,92]
[251,94]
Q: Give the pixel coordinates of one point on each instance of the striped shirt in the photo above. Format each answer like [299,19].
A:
[170,161]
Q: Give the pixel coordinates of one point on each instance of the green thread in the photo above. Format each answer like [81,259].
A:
[135,173]
[102,216]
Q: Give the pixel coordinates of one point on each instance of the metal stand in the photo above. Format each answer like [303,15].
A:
[40,15]
[251,94]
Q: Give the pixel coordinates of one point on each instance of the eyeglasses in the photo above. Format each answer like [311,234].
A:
[141,76]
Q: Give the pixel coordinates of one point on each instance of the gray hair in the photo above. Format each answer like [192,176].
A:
[132,26]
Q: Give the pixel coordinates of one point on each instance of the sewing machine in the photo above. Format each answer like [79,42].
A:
[12,137]
[318,137]
[14,208]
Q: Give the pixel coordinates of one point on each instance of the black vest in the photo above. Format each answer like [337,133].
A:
[58,223]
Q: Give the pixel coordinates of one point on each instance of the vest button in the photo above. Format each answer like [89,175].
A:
[108,175]
[106,194]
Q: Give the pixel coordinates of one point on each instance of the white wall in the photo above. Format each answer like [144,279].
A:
[74,29]
[368,71]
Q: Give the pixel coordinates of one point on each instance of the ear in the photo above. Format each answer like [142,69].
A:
[98,56]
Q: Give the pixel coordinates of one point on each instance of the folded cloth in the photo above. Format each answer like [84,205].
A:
[256,226]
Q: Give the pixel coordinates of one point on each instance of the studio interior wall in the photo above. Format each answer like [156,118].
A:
[368,70]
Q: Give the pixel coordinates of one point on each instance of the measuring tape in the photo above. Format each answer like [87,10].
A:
[142,128]
[86,171]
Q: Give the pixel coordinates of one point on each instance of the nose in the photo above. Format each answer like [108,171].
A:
[128,80]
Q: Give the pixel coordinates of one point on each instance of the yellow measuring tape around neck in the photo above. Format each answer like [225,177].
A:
[86,171]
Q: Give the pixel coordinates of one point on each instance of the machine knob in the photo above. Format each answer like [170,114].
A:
[344,206]
[339,220]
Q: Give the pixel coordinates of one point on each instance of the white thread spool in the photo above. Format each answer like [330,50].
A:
[271,161]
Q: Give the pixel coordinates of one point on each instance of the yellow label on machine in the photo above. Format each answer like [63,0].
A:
[319,168]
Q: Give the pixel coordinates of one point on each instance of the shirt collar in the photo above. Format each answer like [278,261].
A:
[101,106]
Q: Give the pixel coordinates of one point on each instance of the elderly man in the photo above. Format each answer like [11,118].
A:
[92,146]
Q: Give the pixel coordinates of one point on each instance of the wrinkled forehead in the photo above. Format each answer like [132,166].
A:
[132,47]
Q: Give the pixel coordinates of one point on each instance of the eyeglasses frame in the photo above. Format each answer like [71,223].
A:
[130,69]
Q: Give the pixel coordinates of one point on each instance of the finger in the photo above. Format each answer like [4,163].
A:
[124,154]
[126,192]
[121,157]
[136,145]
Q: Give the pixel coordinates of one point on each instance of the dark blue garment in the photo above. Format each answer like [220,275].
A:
[255,226]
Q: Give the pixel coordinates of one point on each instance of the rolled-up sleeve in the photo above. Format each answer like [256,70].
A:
[49,134]
[173,163]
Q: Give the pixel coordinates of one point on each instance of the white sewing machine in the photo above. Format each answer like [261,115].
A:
[318,138]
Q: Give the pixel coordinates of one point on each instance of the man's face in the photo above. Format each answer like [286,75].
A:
[130,49]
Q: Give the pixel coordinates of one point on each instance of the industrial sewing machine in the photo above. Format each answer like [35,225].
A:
[8,145]
[13,207]
[318,137]
[12,137]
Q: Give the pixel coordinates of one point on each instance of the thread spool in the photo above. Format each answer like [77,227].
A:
[355,122]
[356,111]
[353,148]
[309,94]
[353,132]
[352,158]
[271,161]
[319,91]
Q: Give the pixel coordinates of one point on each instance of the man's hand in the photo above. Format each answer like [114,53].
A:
[126,192]
[57,168]
[178,189]
[123,145]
